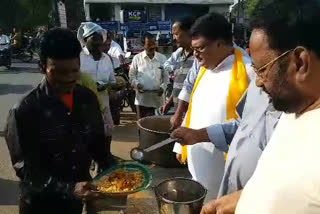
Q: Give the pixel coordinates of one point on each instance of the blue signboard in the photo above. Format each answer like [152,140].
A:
[134,26]
[164,25]
[135,16]
[111,25]
[150,26]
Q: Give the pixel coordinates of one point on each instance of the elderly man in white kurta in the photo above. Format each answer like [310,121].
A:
[99,66]
[223,76]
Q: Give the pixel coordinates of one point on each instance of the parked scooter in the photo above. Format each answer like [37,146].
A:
[25,53]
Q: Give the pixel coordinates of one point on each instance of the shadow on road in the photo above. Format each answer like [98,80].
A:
[127,131]
[14,89]
[9,194]
[19,70]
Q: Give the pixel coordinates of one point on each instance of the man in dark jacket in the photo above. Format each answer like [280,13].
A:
[55,131]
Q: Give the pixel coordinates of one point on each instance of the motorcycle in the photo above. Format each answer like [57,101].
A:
[128,93]
[25,53]
[125,95]
[5,58]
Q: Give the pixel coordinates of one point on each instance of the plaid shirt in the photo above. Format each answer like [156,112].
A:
[180,65]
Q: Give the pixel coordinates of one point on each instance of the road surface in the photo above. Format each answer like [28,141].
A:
[13,84]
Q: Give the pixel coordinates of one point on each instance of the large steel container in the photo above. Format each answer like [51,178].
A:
[152,130]
[180,196]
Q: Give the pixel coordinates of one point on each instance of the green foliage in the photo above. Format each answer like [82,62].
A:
[250,5]
[24,14]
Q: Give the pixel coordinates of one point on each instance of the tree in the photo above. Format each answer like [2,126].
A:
[28,14]
[75,13]
[37,14]
[250,5]
[24,14]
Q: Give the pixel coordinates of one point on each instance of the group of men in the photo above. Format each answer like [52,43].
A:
[247,126]
[223,102]
[13,41]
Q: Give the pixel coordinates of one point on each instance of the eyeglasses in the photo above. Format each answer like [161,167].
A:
[260,71]
[201,49]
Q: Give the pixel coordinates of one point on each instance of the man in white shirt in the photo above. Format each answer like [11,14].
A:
[4,48]
[4,39]
[285,50]
[114,50]
[148,77]
[209,98]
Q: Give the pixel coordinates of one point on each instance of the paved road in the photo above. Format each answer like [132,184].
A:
[13,84]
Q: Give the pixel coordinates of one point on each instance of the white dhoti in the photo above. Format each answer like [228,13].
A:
[205,162]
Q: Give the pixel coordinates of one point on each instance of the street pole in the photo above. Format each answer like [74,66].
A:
[54,11]
[244,21]
[238,11]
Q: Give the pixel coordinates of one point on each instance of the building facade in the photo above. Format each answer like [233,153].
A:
[151,15]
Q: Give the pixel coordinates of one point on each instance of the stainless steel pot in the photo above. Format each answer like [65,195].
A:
[153,130]
[180,196]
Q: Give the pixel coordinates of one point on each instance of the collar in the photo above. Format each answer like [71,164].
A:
[250,111]
[241,104]
[86,51]
[46,88]
[144,55]
[189,55]
[229,60]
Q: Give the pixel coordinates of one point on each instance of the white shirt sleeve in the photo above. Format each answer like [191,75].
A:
[133,71]
[184,95]
[165,74]
[189,82]
[117,50]
[170,64]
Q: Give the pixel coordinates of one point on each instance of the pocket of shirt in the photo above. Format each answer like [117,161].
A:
[157,75]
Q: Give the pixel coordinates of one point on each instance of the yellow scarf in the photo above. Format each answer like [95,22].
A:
[237,86]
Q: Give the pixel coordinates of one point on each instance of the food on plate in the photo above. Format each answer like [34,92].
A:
[120,181]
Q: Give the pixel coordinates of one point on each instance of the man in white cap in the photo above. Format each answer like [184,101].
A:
[99,66]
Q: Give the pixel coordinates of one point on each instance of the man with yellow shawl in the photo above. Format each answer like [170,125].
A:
[221,81]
